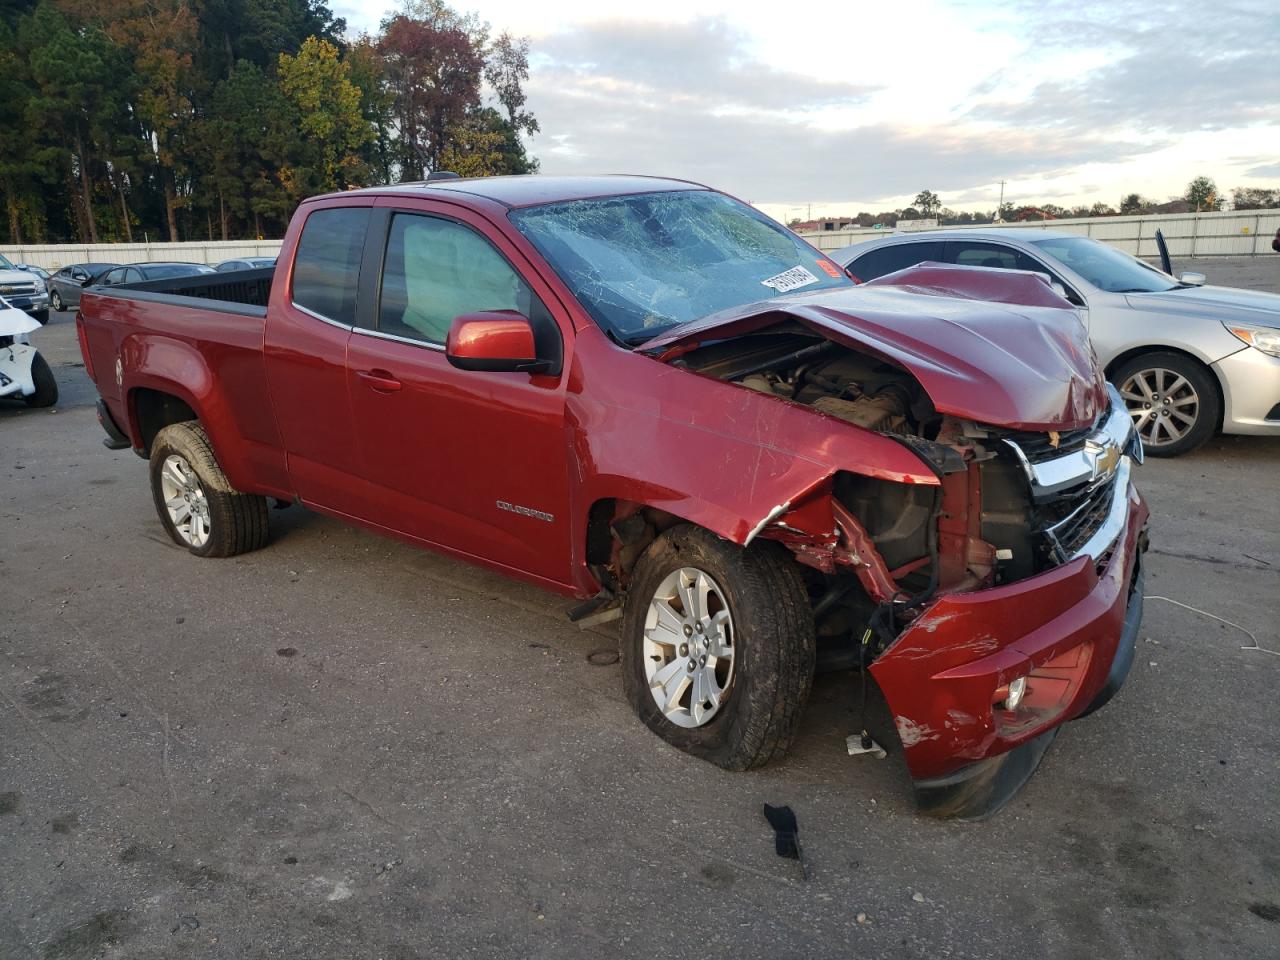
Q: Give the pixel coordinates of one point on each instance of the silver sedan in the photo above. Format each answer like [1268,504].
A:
[1188,359]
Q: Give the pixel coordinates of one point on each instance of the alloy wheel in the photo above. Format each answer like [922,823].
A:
[1163,403]
[185,500]
[688,647]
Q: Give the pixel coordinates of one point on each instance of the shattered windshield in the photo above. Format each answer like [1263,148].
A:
[642,263]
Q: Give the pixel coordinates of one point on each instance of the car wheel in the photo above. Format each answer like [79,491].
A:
[46,393]
[1173,401]
[55,301]
[197,505]
[718,646]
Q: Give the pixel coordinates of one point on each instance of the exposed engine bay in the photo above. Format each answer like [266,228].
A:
[1008,505]
[792,363]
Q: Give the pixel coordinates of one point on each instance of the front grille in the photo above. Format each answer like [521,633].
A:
[1071,485]
[1087,513]
[17,289]
[1041,446]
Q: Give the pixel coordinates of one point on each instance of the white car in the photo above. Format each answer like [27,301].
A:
[24,289]
[1188,359]
[24,374]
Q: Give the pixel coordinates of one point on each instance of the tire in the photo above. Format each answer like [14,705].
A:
[46,394]
[1177,386]
[770,635]
[219,520]
[42,317]
[55,301]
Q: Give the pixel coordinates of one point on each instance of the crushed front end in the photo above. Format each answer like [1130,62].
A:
[981,680]
[991,607]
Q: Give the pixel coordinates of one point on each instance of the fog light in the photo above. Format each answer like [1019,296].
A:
[1017,688]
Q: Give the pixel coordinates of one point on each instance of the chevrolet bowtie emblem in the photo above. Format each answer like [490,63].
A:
[1105,456]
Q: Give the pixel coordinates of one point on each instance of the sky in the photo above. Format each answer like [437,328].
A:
[836,108]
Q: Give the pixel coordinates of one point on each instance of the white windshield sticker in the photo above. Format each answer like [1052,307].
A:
[791,279]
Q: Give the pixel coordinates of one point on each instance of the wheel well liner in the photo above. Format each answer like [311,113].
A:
[153,410]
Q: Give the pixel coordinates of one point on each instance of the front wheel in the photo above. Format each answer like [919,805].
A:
[46,392]
[55,301]
[718,646]
[1172,399]
[199,508]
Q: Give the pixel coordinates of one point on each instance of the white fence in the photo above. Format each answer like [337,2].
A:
[53,256]
[1231,234]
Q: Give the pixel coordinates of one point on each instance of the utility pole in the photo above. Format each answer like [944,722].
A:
[1000,207]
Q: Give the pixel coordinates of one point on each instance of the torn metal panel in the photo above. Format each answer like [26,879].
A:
[1063,630]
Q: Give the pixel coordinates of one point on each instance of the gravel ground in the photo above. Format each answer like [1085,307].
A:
[343,747]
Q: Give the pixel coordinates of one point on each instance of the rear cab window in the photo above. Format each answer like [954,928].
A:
[326,266]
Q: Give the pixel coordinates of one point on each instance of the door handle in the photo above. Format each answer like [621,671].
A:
[379,380]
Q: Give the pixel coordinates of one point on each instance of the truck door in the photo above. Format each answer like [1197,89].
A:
[474,462]
[308,324]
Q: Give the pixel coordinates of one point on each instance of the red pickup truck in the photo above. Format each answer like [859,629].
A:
[644,394]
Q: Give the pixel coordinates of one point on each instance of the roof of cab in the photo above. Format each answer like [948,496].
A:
[530,190]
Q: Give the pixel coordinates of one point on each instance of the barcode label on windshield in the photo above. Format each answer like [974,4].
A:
[791,279]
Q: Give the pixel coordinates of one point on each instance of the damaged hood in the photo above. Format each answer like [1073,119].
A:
[995,346]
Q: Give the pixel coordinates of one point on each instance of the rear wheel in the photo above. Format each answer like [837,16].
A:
[197,505]
[46,394]
[1172,399]
[718,646]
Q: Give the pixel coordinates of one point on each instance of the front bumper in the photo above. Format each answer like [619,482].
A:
[1250,392]
[1070,631]
[34,303]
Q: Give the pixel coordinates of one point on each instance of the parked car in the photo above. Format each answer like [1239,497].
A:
[1189,359]
[246,263]
[647,395]
[138,272]
[23,289]
[66,283]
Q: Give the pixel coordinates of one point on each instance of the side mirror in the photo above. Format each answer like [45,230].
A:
[494,341]
[1192,279]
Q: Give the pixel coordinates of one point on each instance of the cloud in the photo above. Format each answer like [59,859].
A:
[701,64]
[688,100]
[1265,171]
[1177,68]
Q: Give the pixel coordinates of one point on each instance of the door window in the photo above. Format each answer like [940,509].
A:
[894,257]
[972,253]
[326,268]
[976,253]
[437,269]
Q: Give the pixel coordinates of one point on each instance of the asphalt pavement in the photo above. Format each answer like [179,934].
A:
[340,746]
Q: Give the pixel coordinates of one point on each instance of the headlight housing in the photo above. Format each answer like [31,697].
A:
[1266,339]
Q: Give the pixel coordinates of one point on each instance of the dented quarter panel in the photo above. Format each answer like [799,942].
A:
[1022,365]
[942,673]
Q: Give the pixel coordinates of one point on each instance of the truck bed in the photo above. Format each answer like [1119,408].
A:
[244,292]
